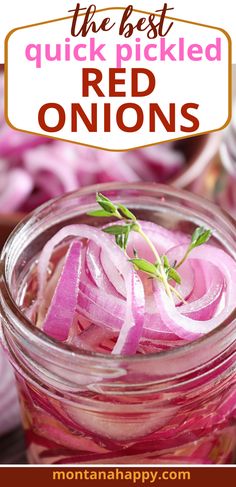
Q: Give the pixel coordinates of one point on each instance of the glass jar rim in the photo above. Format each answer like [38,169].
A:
[69,350]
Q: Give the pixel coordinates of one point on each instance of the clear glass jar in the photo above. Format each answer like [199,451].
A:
[173,407]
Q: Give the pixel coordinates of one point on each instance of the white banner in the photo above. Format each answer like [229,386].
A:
[24,12]
[114,90]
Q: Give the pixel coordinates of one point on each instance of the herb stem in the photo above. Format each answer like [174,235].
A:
[178,295]
[117,215]
[158,260]
[183,259]
[161,269]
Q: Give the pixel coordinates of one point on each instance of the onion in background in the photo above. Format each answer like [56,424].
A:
[35,169]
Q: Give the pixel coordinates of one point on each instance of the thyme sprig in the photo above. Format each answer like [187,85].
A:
[161,269]
[199,237]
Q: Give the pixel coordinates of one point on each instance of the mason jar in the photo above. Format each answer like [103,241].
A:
[79,407]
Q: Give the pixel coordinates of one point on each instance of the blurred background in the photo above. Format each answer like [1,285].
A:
[34,169]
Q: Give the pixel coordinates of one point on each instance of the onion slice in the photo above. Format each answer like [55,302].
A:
[59,317]
[132,326]
[184,326]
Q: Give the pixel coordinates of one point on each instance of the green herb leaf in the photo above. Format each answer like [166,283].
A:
[126,213]
[135,227]
[166,262]
[170,271]
[122,240]
[145,266]
[108,207]
[99,213]
[199,237]
[101,197]
[106,204]
[117,229]
[173,274]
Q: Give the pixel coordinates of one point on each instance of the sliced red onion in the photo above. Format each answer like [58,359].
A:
[131,329]
[154,327]
[99,306]
[14,143]
[188,282]
[112,273]
[59,317]
[108,311]
[95,338]
[163,161]
[205,307]
[161,237]
[15,187]
[95,269]
[44,161]
[200,284]
[112,297]
[110,424]
[53,429]
[184,326]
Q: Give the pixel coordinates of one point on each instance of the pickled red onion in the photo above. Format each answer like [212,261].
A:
[133,313]
[59,318]
[132,326]
[184,326]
